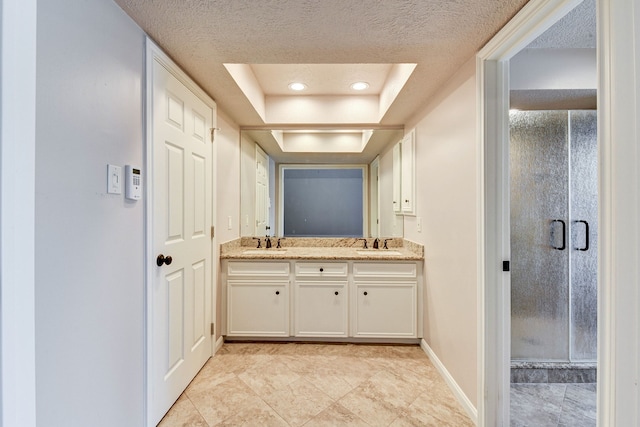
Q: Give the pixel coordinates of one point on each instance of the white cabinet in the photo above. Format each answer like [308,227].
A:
[397,178]
[258,308]
[321,300]
[321,309]
[310,299]
[404,176]
[385,300]
[408,180]
[257,295]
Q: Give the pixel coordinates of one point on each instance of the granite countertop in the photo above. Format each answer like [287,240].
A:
[322,249]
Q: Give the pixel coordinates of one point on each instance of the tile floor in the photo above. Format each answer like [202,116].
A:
[553,405]
[294,384]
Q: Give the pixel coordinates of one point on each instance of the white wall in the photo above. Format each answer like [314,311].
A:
[227,172]
[446,173]
[89,245]
[17,210]
[247,186]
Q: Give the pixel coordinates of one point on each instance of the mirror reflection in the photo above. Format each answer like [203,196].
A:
[318,183]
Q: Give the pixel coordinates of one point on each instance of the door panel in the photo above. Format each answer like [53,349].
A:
[584,258]
[180,302]
[539,197]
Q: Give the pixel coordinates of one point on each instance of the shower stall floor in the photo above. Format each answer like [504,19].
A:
[553,405]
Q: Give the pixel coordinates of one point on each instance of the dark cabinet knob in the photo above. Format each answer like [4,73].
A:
[321,269]
[337,292]
[163,260]
[277,292]
[365,292]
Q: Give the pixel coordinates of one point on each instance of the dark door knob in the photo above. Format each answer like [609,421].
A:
[365,292]
[277,292]
[163,260]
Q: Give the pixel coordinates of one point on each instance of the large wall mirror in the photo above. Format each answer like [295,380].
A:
[318,183]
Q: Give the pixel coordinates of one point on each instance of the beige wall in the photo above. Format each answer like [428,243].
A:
[446,176]
[228,191]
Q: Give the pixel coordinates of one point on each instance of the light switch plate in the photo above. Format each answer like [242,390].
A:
[419,224]
[114,179]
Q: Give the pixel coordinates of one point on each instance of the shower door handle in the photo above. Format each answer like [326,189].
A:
[564,235]
[586,235]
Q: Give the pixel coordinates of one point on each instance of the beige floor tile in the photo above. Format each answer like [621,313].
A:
[333,385]
[267,377]
[279,384]
[255,412]
[367,403]
[222,401]
[298,402]
[435,408]
[183,414]
[336,415]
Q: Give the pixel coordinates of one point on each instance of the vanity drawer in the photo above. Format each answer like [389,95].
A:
[255,268]
[319,269]
[386,270]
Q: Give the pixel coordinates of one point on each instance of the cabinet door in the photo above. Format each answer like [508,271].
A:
[321,309]
[258,308]
[408,185]
[385,309]
[397,178]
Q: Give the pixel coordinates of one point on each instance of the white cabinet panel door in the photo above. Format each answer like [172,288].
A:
[180,302]
[385,309]
[321,309]
[258,308]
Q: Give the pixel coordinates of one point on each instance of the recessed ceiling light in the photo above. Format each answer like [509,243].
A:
[359,85]
[297,86]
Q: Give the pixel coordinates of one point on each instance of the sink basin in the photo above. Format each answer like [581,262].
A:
[265,251]
[378,252]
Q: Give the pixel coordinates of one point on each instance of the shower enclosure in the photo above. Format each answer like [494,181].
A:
[554,207]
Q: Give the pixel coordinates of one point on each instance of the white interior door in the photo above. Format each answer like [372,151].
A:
[180,300]
[262,192]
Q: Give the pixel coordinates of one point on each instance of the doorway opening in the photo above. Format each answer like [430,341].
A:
[553,199]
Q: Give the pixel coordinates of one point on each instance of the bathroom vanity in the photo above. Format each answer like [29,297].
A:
[340,292]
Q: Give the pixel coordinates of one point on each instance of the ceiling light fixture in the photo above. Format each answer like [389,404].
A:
[359,85]
[297,86]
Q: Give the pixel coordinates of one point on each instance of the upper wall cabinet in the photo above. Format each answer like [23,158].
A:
[397,177]
[404,177]
[408,181]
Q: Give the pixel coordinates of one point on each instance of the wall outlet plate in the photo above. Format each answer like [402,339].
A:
[114,179]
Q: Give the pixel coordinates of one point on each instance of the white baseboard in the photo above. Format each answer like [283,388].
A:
[453,385]
[219,343]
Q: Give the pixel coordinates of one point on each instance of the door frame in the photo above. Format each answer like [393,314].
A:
[154,53]
[494,305]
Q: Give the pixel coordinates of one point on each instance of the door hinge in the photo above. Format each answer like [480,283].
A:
[506,266]
[213,133]
[213,232]
[213,329]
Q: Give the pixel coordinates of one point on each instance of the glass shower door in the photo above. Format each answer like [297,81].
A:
[539,231]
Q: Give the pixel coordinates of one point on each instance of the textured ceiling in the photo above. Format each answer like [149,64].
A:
[438,35]
[576,30]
